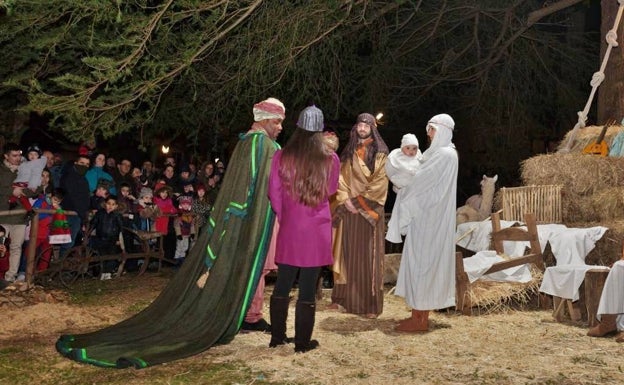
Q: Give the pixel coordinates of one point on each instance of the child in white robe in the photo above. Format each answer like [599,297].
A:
[403,162]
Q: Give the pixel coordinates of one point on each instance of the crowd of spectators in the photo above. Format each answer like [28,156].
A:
[112,197]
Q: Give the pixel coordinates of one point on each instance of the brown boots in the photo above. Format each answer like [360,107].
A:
[607,325]
[417,323]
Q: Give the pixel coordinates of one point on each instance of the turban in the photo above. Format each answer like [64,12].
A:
[269,109]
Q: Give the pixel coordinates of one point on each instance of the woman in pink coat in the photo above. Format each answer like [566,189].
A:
[303,177]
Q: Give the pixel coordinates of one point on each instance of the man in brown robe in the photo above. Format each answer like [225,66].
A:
[358,216]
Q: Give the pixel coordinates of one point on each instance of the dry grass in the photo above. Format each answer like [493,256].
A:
[502,347]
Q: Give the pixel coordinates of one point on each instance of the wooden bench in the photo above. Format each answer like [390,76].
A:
[151,247]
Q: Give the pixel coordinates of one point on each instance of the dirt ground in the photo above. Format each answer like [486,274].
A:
[512,347]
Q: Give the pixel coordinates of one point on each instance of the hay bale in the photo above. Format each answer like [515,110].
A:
[591,184]
[608,204]
[588,135]
[579,174]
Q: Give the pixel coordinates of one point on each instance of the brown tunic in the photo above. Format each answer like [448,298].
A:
[359,238]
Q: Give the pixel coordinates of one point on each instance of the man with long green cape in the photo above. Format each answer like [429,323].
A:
[206,301]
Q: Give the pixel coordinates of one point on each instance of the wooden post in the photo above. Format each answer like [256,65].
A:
[594,282]
[462,297]
[32,249]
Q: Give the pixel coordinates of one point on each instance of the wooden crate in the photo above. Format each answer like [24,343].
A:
[544,201]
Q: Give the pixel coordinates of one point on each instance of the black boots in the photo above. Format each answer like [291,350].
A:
[278,310]
[304,325]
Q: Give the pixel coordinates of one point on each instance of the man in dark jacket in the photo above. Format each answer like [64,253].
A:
[14,224]
[77,196]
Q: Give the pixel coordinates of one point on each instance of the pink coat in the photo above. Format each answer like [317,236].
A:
[161,224]
[305,233]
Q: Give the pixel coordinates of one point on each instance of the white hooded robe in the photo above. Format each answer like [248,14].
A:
[425,214]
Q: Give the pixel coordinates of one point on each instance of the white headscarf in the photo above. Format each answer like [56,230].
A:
[444,126]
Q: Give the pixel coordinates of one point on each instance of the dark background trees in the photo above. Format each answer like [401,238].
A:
[513,73]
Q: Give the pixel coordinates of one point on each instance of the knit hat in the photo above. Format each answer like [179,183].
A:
[34,148]
[368,119]
[311,119]
[59,228]
[145,192]
[269,109]
[185,202]
[409,139]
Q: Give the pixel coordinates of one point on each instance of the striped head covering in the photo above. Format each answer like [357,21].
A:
[269,109]
[311,119]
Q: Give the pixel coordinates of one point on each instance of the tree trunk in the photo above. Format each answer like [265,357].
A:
[611,91]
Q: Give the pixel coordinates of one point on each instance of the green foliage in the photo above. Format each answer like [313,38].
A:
[194,69]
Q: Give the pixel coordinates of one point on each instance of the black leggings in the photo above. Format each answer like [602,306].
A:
[286,275]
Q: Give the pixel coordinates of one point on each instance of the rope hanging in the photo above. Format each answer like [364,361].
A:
[597,78]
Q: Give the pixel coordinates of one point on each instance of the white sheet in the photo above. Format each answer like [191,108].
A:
[475,236]
[568,245]
[564,281]
[479,263]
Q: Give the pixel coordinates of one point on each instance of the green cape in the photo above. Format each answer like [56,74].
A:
[184,319]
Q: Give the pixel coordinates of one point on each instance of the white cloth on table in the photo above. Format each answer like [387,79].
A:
[568,245]
[564,281]
[571,245]
[478,264]
[612,297]
[475,236]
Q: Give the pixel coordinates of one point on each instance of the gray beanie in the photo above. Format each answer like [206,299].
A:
[145,191]
[311,119]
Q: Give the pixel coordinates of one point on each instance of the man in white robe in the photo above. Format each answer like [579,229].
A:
[425,214]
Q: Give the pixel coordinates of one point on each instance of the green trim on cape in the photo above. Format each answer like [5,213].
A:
[184,319]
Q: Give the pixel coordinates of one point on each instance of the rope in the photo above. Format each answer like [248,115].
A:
[597,78]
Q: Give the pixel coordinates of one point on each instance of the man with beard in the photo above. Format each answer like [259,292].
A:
[358,216]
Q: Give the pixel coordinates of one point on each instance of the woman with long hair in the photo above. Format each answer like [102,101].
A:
[304,174]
